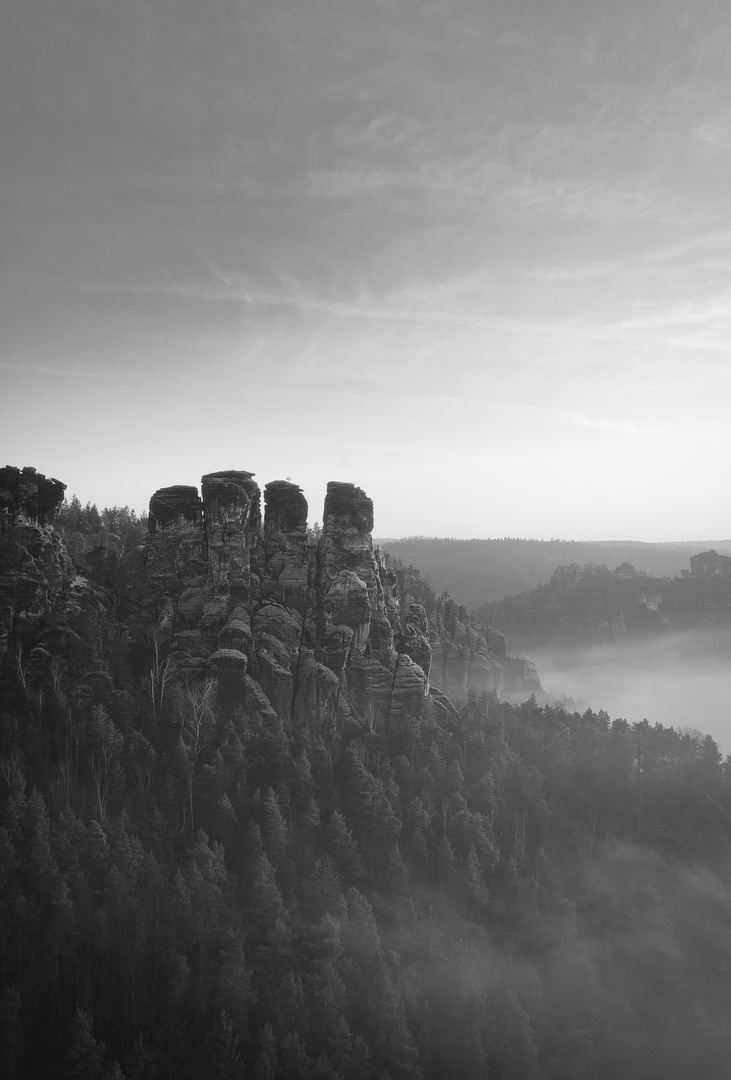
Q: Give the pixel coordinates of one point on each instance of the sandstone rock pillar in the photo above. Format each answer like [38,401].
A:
[346,545]
[285,544]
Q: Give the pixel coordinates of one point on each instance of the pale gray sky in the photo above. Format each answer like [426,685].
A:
[473,256]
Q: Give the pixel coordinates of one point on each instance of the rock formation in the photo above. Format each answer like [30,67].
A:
[460,654]
[311,627]
[286,566]
[291,626]
[46,608]
[710,564]
[29,494]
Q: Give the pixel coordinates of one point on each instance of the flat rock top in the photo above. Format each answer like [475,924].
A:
[25,491]
[349,502]
[169,503]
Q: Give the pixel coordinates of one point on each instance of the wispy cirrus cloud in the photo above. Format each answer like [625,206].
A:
[33,368]
[496,186]
[712,315]
[613,425]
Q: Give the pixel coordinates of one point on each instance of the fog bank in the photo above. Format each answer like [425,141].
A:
[678,680]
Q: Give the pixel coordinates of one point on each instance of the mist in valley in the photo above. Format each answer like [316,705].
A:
[676,679]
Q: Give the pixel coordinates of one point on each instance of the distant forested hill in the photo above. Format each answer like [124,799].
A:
[475,572]
[583,605]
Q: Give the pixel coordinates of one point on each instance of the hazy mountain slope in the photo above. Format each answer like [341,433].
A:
[592,604]
[475,572]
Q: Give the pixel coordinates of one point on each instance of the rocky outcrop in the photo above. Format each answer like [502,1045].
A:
[346,544]
[228,668]
[30,494]
[286,563]
[47,609]
[413,638]
[356,621]
[520,678]
[36,571]
[463,660]
[314,625]
[458,653]
[710,564]
[295,627]
[176,549]
[231,518]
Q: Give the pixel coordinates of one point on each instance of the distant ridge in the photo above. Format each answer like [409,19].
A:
[477,571]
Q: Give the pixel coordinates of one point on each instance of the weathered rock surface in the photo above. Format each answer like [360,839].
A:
[47,609]
[463,659]
[231,518]
[710,564]
[456,652]
[346,544]
[413,639]
[31,494]
[295,628]
[228,668]
[286,566]
[174,507]
[520,678]
[176,549]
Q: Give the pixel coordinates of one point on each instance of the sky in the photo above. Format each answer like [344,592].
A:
[471,255]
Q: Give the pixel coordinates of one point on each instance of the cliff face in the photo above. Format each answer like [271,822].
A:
[464,655]
[29,494]
[590,604]
[303,629]
[279,621]
[47,609]
[317,629]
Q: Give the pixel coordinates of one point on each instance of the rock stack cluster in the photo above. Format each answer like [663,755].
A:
[464,655]
[310,628]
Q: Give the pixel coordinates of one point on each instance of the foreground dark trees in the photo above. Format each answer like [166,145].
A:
[185,891]
[525,892]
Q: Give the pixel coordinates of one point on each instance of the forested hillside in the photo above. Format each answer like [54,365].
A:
[520,892]
[354,884]
[475,572]
[583,605]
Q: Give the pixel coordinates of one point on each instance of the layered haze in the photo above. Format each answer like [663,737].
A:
[680,680]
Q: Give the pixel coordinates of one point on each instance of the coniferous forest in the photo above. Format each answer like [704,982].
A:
[485,891]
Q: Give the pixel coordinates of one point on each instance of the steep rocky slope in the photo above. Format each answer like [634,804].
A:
[52,619]
[317,629]
[313,630]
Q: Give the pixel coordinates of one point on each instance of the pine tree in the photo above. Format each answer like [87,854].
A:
[11,1032]
[344,848]
[143,1064]
[85,1053]
[274,830]
[519,1054]
[472,885]
[236,988]
[227,1063]
[294,1061]
[267,1059]
[322,893]
[443,863]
